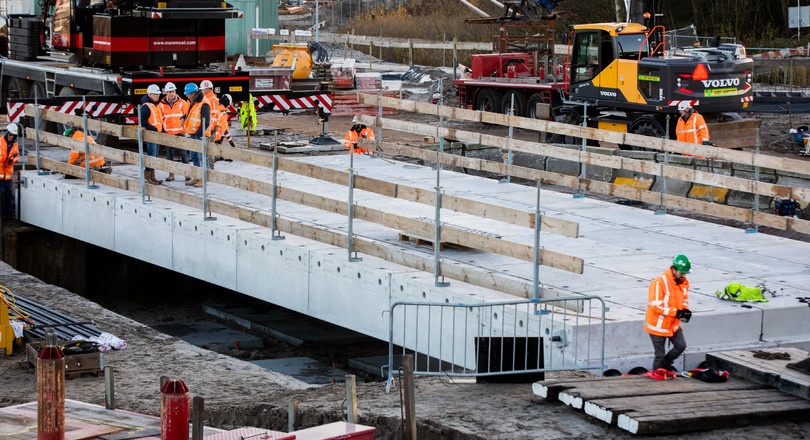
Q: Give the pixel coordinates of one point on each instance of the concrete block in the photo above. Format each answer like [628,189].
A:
[785,322]
[83,206]
[635,182]
[43,202]
[562,166]
[276,271]
[745,200]
[675,159]
[765,175]
[708,193]
[674,186]
[204,249]
[637,154]
[719,167]
[338,292]
[132,217]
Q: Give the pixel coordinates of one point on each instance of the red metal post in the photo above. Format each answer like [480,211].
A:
[174,410]
[51,393]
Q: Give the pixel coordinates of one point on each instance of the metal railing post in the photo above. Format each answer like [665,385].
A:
[661,208]
[36,135]
[141,177]
[582,169]
[508,160]
[755,208]
[206,213]
[273,214]
[90,185]
[438,279]
[536,274]
[353,258]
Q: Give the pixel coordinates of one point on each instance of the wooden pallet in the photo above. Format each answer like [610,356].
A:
[772,372]
[641,405]
[420,241]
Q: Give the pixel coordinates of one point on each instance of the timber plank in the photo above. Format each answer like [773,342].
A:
[608,409]
[642,386]
[773,372]
[703,418]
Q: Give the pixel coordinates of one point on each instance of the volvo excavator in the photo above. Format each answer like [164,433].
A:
[617,76]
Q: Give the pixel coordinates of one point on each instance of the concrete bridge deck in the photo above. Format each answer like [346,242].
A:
[623,249]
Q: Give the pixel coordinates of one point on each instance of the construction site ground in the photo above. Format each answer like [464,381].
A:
[241,394]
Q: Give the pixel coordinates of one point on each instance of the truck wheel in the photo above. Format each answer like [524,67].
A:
[520,103]
[488,100]
[531,105]
[567,118]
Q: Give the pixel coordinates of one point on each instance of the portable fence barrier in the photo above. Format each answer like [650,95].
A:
[523,337]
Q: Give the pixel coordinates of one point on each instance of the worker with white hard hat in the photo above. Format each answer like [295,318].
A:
[197,123]
[151,120]
[356,132]
[691,125]
[174,109]
[207,89]
[9,155]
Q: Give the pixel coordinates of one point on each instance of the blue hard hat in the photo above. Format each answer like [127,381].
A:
[190,88]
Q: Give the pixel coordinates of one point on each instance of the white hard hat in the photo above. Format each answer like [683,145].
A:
[226,100]
[169,87]
[684,105]
[153,88]
[206,84]
[354,120]
[12,128]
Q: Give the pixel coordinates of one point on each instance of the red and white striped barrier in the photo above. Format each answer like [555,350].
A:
[16,110]
[784,53]
[283,103]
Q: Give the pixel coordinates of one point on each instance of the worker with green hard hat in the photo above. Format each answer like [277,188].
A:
[667,307]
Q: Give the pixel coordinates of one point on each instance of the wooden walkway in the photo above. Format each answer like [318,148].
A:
[641,405]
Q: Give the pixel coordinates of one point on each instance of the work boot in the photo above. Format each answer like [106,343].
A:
[198,183]
[155,179]
[147,176]
[191,182]
[187,178]
[170,178]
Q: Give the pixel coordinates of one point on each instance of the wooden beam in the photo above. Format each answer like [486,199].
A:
[647,196]
[594,158]
[741,157]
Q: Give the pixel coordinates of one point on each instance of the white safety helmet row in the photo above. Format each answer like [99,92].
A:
[153,88]
[206,84]
[684,105]
[13,129]
[170,87]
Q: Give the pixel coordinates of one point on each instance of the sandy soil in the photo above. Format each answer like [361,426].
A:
[240,394]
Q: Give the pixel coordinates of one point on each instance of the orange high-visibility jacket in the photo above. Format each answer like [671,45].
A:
[173,115]
[77,157]
[352,137]
[693,130]
[9,155]
[155,117]
[664,299]
[194,117]
[213,102]
[222,122]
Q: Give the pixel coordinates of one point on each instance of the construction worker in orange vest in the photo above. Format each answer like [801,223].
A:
[356,132]
[197,123]
[174,109]
[223,126]
[667,306]
[9,155]
[151,120]
[207,89]
[77,157]
[691,126]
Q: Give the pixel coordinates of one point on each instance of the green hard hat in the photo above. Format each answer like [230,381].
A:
[681,263]
[68,132]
